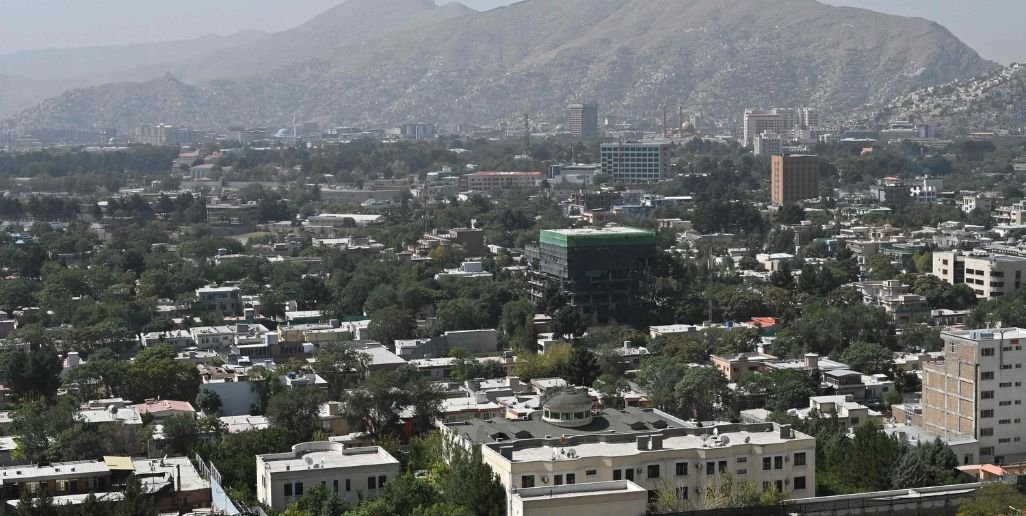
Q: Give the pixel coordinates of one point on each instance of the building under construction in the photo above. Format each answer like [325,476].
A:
[603,272]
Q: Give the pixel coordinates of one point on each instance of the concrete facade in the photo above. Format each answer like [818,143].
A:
[283,478]
[989,275]
[977,391]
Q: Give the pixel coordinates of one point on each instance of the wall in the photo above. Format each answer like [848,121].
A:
[237,398]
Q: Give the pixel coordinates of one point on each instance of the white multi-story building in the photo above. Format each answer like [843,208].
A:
[989,275]
[555,446]
[352,473]
[977,390]
[636,162]
[777,120]
[226,300]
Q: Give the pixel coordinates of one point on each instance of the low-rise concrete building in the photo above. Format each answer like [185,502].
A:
[568,442]
[354,473]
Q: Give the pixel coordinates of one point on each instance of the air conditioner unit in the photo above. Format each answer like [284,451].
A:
[545,479]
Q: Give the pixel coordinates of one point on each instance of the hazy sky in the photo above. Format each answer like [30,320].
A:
[992,27]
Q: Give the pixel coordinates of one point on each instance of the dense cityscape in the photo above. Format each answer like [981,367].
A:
[610,307]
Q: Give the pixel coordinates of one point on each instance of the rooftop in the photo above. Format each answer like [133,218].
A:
[597,237]
[609,421]
[325,455]
[155,473]
[576,491]
[574,447]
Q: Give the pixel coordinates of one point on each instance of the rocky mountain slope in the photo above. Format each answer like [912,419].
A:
[210,57]
[715,56]
[990,102]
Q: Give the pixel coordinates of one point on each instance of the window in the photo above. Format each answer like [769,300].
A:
[381,481]
[779,485]
[987,395]
[590,472]
[372,482]
[1004,421]
[799,482]
[985,432]
[742,459]
[765,486]
[335,484]
[710,468]
[989,450]
[557,480]
[778,462]
[742,472]
[299,489]
[653,471]
[987,375]
[766,463]
[682,492]
[723,467]
[987,352]
[987,413]
[349,486]
[629,473]
[617,475]
[682,469]
[288,489]
[799,459]
[528,480]
[571,478]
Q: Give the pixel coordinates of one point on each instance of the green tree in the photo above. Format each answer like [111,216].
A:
[702,393]
[390,324]
[567,323]
[208,401]
[994,499]
[583,367]
[297,411]
[869,358]
[33,374]
[180,433]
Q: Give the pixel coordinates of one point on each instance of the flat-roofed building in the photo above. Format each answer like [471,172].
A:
[989,275]
[636,162]
[568,441]
[490,180]
[794,178]
[603,272]
[352,473]
[584,120]
[977,391]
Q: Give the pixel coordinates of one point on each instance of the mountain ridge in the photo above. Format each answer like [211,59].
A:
[716,56]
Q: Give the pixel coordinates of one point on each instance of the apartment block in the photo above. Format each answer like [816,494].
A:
[226,300]
[584,120]
[779,120]
[489,181]
[977,391]
[794,178]
[353,473]
[636,162]
[989,275]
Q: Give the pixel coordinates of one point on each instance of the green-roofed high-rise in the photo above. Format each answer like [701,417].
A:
[603,272]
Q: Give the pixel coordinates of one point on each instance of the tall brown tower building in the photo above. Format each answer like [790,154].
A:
[795,178]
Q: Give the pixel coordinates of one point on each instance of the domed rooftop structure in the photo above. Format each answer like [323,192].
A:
[569,408]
